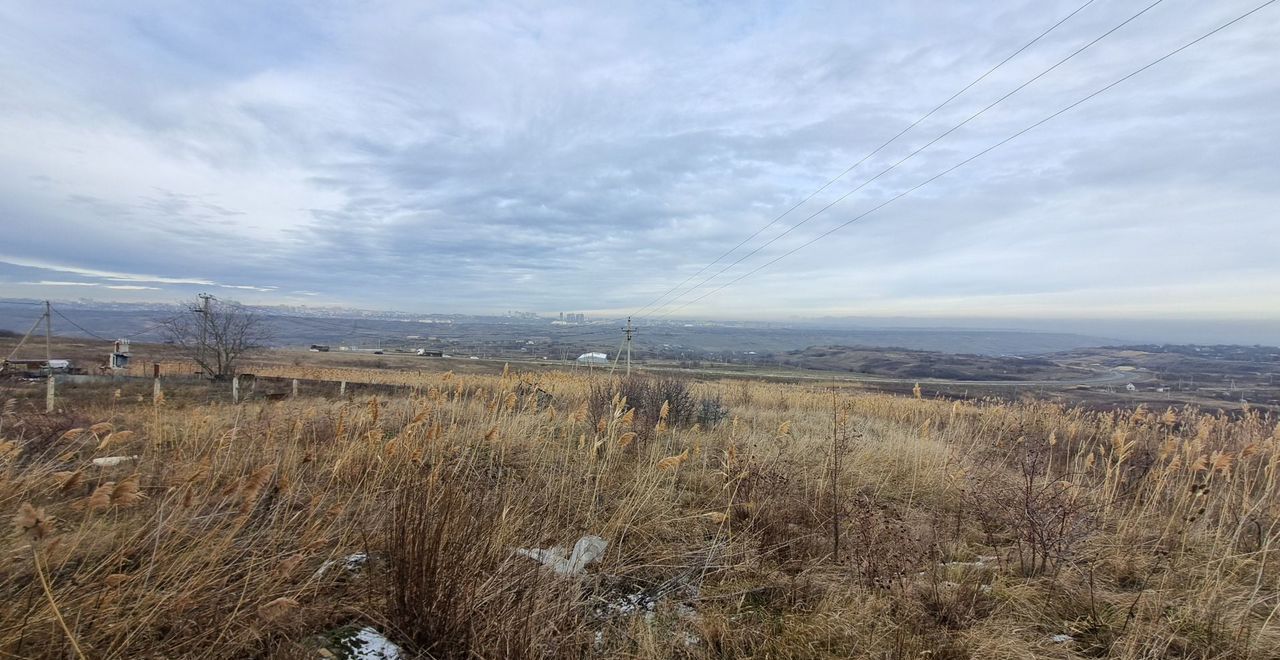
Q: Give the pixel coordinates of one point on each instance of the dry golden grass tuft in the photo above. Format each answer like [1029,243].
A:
[673,462]
[101,496]
[277,611]
[32,523]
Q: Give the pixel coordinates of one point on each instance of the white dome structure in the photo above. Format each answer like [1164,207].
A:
[593,359]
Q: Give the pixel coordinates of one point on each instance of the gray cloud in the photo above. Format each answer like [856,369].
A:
[456,157]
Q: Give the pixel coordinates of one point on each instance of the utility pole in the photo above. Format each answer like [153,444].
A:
[628,331]
[48,331]
[48,356]
[203,311]
[626,344]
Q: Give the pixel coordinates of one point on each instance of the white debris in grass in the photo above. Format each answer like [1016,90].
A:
[369,644]
[981,562]
[112,461]
[1062,638]
[585,551]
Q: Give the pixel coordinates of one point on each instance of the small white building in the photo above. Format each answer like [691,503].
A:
[593,359]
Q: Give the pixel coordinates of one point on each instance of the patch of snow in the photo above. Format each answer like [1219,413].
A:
[112,461]
[1061,638]
[627,604]
[352,563]
[369,644]
[585,551]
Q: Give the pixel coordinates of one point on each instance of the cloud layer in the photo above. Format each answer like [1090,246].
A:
[470,157]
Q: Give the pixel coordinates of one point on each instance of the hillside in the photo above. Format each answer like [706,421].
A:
[716,519]
[904,363]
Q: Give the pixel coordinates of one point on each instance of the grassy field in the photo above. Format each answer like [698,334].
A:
[742,519]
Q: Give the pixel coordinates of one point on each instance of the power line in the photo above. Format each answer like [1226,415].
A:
[872,153]
[913,153]
[147,329]
[80,327]
[979,154]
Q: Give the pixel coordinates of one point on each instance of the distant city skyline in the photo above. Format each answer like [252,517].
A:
[483,157]
[1116,330]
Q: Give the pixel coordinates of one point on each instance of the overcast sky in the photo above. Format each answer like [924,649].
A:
[464,157]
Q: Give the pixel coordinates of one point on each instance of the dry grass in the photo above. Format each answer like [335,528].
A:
[968,529]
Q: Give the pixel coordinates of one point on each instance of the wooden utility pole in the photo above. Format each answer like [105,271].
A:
[50,394]
[203,311]
[48,331]
[624,346]
[628,331]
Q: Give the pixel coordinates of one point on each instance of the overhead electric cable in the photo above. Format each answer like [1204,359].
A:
[80,327]
[909,156]
[873,152]
[966,161]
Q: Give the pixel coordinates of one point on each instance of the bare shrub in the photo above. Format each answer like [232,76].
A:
[1042,517]
[648,396]
[712,411]
[883,549]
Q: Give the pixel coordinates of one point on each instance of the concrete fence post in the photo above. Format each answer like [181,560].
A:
[295,388]
[342,388]
[235,389]
[49,395]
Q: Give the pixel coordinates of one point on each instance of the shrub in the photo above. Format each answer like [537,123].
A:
[712,411]
[1044,518]
[647,396]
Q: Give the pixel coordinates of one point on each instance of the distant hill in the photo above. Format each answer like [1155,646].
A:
[903,363]
[970,342]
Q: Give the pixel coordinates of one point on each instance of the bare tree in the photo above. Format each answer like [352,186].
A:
[216,334]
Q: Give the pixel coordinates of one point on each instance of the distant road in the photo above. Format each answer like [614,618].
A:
[1110,377]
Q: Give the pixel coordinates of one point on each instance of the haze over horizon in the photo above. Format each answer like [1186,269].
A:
[476,158]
